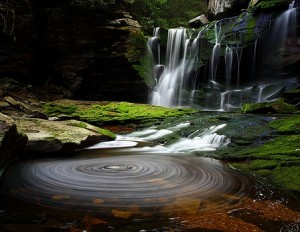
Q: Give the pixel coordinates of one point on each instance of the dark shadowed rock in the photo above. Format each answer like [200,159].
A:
[11,140]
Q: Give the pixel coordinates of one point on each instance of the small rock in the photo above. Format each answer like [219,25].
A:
[198,21]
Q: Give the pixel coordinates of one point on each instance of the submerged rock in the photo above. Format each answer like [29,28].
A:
[60,136]
[11,140]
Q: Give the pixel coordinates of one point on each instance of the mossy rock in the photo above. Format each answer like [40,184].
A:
[136,46]
[117,113]
[279,107]
[274,153]
[289,177]
[270,4]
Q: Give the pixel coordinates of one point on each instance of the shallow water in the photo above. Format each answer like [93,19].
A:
[136,185]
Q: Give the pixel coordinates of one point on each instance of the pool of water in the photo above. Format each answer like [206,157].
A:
[134,184]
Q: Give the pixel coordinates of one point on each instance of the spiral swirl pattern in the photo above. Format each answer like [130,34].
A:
[145,181]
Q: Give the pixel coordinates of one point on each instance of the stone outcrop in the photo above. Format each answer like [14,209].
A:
[218,9]
[60,136]
[11,140]
[198,21]
[89,51]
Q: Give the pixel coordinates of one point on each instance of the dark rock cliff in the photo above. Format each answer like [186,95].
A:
[86,51]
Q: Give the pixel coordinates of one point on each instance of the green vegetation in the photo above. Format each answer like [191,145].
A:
[136,46]
[89,127]
[165,13]
[266,4]
[276,158]
[289,125]
[99,113]
[137,54]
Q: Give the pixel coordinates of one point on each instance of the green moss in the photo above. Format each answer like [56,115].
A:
[144,69]
[78,124]
[288,125]
[288,177]
[275,156]
[263,164]
[263,172]
[278,106]
[137,54]
[266,4]
[282,147]
[106,133]
[55,110]
[113,112]
[136,46]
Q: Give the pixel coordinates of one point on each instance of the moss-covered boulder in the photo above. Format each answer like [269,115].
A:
[112,113]
[11,140]
[279,107]
[60,136]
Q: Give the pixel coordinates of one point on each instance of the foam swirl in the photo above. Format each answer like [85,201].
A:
[144,181]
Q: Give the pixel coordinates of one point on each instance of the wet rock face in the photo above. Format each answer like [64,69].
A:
[90,53]
[83,50]
[218,9]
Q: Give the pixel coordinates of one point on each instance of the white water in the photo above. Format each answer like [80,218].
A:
[200,140]
[181,53]
[228,63]
[284,30]
[215,52]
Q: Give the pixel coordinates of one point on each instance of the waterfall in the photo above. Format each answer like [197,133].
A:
[284,29]
[181,52]
[220,68]
[228,64]
[216,51]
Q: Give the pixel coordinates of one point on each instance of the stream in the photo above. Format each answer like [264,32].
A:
[139,184]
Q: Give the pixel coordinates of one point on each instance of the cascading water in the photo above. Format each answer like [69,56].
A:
[216,51]
[220,68]
[228,64]
[170,82]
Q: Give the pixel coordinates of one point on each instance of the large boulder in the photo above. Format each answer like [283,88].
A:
[11,140]
[60,136]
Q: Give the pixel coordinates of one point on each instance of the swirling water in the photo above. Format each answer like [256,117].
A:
[129,185]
